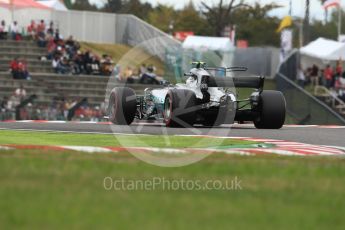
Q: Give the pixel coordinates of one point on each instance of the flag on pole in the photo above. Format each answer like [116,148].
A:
[286,22]
[331,3]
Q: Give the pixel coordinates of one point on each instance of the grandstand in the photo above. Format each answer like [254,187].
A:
[45,84]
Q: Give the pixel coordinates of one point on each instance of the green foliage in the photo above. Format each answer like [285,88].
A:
[189,19]
[83,5]
[137,8]
[328,29]
[113,6]
[162,16]
[252,22]
[68,3]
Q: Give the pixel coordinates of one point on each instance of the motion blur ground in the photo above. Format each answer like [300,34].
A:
[42,184]
[47,188]
[65,164]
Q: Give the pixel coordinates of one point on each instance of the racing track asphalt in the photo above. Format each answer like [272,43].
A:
[308,135]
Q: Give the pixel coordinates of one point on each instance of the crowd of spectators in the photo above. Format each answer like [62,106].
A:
[60,108]
[66,57]
[66,54]
[331,77]
[57,110]
[12,31]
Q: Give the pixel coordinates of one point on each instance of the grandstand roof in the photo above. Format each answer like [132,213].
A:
[207,43]
[22,4]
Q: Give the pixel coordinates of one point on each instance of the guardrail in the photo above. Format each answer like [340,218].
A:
[331,98]
[304,107]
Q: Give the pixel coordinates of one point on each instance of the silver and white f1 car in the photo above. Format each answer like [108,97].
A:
[204,99]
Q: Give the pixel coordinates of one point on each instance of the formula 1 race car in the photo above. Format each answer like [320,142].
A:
[204,99]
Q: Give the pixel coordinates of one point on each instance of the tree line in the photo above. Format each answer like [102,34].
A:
[253,22]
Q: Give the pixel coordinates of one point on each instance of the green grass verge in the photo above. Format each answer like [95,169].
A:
[100,140]
[41,190]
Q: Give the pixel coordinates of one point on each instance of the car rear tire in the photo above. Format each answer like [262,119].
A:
[180,108]
[122,106]
[272,110]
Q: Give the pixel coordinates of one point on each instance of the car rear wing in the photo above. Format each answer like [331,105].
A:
[255,82]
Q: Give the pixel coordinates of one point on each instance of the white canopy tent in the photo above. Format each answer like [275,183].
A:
[208,43]
[213,50]
[322,51]
[54,4]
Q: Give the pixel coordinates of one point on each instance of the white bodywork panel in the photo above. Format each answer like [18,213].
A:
[194,85]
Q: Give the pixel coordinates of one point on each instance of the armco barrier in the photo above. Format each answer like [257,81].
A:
[305,108]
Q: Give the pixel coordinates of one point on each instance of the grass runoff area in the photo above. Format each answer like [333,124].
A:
[56,190]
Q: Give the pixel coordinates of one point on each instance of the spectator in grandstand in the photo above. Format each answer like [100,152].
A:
[95,65]
[50,30]
[23,72]
[87,60]
[63,66]
[14,68]
[314,75]
[142,70]
[301,78]
[41,27]
[4,104]
[328,76]
[41,34]
[20,93]
[57,37]
[19,70]
[51,47]
[150,76]
[340,86]
[117,72]
[129,73]
[78,64]
[55,63]
[3,30]
[41,39]
[106,65]
[339,69]
[59,51]
[71,47]
[13,102]
[32,30]
[15,32]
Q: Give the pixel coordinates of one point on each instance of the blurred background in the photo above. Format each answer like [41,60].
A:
[57,57]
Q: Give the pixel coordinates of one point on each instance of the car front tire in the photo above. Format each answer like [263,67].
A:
[122,106]
[180,108]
